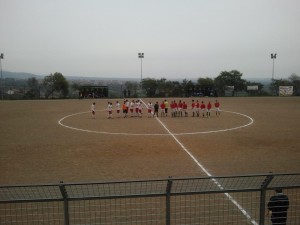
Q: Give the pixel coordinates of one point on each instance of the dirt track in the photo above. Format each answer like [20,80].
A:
[34,148]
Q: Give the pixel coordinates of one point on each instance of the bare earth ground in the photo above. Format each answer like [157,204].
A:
[34,148]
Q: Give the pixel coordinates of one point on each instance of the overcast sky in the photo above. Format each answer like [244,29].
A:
[180,38]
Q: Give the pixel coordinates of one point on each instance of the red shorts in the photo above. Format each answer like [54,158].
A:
[149,110]
[131,110]
[93,112]
[136,110]
[109,112]
[118,111]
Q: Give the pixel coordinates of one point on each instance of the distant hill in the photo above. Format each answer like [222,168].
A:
[25,76]
[20,75]
[264,81]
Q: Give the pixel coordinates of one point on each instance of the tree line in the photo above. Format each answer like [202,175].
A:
[210,87]
[57,86]
[54,86]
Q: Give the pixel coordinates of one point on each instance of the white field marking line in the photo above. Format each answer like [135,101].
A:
[244,212]
[99,132]
[135,134]
[223,130]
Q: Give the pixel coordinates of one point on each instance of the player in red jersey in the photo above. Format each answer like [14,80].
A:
[184,107]
[172,105]
[197,106]
[208,109]
[193,107]
[179,108]
[175,109]
[202,106]
[217,105]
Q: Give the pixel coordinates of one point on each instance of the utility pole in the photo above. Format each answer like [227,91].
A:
[273,56]
[1,86]
[141,56]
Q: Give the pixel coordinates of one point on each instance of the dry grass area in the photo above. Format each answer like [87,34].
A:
[34,148]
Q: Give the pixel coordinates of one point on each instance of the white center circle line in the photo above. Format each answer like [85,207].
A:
[60,122]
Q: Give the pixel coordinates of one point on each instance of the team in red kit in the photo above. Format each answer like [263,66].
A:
[178,108]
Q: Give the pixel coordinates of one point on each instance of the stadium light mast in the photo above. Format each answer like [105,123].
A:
[141,56]
[1,86]
[273,56]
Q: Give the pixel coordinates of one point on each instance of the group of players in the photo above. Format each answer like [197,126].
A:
[134,108]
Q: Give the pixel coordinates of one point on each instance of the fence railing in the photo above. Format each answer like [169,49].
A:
[204,200]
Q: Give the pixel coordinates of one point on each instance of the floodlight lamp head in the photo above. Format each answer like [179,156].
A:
[2,56]
[273,56]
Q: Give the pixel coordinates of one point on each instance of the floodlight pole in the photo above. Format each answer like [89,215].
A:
[273,56]
[141,56]
[1,86]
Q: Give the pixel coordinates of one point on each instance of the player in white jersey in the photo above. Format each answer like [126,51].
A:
[150,109]
[93,109]
[118,108]
[127,104]
[132,106]
[140,109]
[109,110]
[137,103]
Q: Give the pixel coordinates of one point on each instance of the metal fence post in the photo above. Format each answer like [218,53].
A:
[66,202]
[262,205]
[168,201]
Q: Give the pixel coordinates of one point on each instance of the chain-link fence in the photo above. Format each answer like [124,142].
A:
[206,200]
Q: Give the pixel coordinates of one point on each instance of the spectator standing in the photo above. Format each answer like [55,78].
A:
[278,206]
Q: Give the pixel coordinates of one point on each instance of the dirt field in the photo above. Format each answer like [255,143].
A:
[35,148]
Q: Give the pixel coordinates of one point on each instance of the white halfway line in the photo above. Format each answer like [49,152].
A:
[245,213]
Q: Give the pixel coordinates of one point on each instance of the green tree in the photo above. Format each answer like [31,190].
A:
[150,86]
[231,78]
[56,84]
[161,87]
[168,88]
[274,86]
[206,85]
[132,87]
[295,80]
[34,88]
[74,90]
[205,82]
[177,90]
[188,87]
[75,86]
